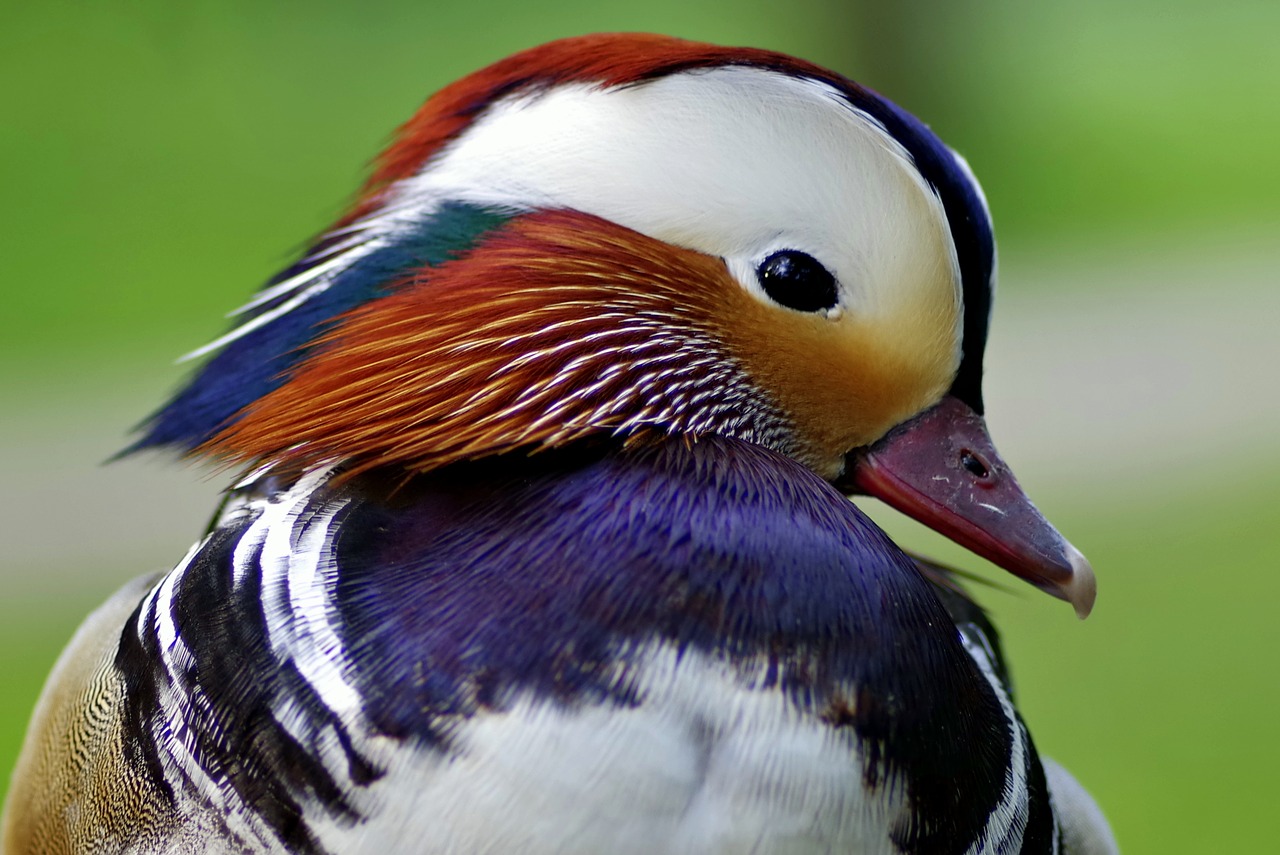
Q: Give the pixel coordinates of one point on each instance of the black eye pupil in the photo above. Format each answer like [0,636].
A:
[798,281]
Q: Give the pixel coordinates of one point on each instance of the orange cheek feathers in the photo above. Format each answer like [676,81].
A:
[842,383]
[557,327]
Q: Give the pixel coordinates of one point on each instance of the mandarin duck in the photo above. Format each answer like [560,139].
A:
[540,541]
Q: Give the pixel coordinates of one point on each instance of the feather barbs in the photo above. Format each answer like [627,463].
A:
[557,327]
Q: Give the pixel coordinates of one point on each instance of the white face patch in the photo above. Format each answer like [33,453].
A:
[734,162]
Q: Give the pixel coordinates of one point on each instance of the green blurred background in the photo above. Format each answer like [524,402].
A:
[159,160]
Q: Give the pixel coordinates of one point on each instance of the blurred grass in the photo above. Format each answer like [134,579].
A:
[160,160]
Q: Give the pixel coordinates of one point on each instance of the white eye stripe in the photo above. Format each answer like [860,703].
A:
[733,162]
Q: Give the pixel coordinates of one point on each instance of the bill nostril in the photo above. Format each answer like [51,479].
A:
[975,465]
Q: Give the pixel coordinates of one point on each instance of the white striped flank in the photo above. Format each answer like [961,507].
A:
[297,571]
[1008,820]
[287,549]
[172,734]
[221,810]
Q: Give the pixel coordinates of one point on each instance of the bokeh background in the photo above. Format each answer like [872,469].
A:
[158,161]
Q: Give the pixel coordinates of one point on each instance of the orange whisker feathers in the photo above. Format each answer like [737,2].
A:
[557,327]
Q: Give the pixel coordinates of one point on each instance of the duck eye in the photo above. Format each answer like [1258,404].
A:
[798,281]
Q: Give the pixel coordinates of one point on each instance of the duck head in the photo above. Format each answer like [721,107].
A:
[631,236]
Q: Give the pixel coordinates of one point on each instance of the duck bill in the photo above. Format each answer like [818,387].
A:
[942,469]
